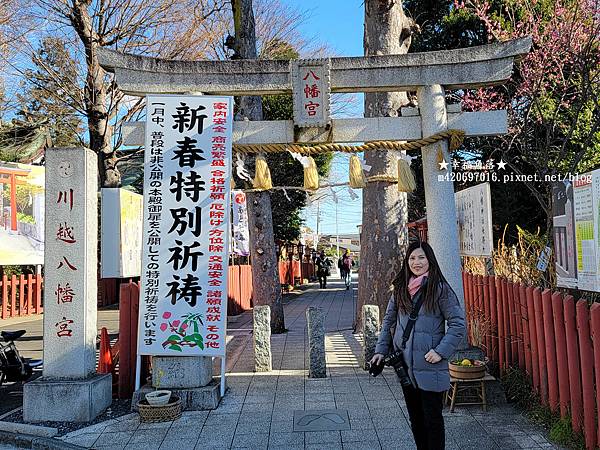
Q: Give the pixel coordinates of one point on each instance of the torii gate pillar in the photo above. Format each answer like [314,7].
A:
[442,230]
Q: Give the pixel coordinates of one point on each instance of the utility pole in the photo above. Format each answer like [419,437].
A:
[337,232]
[318,220]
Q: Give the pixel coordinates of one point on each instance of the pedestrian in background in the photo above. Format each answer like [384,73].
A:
[345,265]
[323,264]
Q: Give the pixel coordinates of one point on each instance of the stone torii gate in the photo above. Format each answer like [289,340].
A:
[429,74]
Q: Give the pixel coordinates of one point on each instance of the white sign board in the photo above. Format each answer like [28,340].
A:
[311,91]
[121,228]
[596,199]
[576,223]
[241,234]
[586,240]
[474,211]
[187,173]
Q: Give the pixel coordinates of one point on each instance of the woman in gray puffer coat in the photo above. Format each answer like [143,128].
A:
[430,344]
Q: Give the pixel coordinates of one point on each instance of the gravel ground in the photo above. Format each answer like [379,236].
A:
[118,408]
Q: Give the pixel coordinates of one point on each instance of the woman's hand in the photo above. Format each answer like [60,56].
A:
[432,357]
[376,359]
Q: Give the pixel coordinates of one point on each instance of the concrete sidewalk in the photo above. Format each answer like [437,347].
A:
[258,409]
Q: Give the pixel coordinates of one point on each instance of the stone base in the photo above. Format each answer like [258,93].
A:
[181,371]
[192,399]
[66,400]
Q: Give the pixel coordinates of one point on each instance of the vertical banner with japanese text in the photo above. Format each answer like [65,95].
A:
[187,172]
[241,233]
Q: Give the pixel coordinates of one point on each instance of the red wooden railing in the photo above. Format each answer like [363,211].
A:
[21,295]
[289,270]
[239,294]
[129,306]
[552,338]
[30,289]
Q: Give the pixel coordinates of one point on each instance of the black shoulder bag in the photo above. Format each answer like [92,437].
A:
[412,318]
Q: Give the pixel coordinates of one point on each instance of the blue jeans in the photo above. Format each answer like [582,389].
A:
[346,276]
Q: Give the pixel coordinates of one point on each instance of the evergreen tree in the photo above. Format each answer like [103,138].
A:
[47,98]
[442,26]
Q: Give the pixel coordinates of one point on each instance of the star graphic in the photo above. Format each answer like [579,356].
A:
[443,165]
[501,165]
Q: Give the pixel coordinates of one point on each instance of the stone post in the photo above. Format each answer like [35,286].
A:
[442,229]
[316,343]
[370,331]
[262,339]
[69,390]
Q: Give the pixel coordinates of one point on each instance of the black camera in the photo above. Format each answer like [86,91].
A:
[402,375]
[395,360]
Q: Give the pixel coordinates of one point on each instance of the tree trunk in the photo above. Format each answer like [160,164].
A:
[265,271]
[100,130]
[385,212]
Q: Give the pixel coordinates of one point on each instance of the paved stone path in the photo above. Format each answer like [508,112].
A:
[257,411]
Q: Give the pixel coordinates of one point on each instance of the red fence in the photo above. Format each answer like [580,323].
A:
[290,270]
[21,295]
[129,306]
[239,293]
[554,339]
[30,289]
[108,291]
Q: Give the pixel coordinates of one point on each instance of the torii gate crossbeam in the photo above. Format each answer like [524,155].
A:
[471,67]
[430,74]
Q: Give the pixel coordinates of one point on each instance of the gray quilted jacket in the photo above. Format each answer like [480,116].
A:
[428,333]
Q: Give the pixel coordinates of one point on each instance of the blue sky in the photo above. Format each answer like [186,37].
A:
[339,24]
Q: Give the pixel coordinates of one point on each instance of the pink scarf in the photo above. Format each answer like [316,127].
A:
[414,283]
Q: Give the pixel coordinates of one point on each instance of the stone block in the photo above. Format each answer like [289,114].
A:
[186,372]
[316,342]
[262,339]
[25,428]
[370,331]
[66,400]
[192,399]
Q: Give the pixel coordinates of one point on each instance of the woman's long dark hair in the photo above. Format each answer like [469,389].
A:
[434,280]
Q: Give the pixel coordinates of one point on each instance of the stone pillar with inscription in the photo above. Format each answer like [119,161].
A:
[69,390]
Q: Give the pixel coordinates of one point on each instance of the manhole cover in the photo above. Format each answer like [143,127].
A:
[321,420]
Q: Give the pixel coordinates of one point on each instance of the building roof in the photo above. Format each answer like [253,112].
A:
[23,142]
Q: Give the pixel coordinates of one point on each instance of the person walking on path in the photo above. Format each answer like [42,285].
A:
[345,264]
[323,264]
[421,305]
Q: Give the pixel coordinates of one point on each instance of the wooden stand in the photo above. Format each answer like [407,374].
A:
[473,392]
